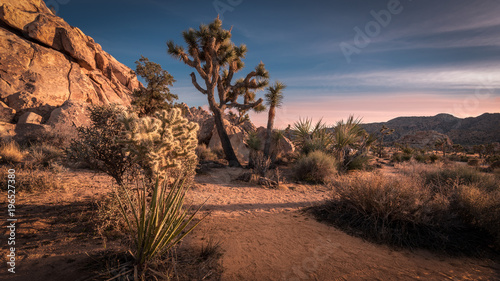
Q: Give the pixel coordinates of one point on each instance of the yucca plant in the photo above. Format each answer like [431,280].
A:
[311,137]
[157,223]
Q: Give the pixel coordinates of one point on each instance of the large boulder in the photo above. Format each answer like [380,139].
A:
[45,62]
[284,146]
[6,113]
[237,137]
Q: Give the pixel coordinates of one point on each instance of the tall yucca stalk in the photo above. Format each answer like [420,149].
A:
[274,98]
[158,223]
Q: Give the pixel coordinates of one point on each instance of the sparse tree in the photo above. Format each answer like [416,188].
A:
[217,59]
[156,96]
[274,98]
[384,131]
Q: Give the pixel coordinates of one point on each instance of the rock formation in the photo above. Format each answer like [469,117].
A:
[424,139]
[45,63]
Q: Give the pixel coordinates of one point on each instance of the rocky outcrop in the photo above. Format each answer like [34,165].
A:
[45,62]
[424,139]
[283,146]
[237,136]
[482,129]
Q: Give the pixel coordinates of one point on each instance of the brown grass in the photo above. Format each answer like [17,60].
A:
[11,153]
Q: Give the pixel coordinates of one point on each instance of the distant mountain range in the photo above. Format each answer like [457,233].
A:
[465,131]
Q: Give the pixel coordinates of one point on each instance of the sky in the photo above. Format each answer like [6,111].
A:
[374,59]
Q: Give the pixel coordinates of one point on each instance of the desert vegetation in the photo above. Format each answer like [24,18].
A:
[441,197]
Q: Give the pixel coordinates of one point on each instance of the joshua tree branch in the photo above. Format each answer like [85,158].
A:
[240,106]
[197,86]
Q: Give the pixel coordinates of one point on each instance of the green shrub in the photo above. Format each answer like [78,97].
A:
[97,145]
[359,162]
[398,157]
[155,225]
[316,167]
[11,153]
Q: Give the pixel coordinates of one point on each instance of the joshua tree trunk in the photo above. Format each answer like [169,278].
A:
[270,124]
[224,139]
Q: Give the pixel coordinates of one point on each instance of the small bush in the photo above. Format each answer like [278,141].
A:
[205,154]
[422,158]
[400,157]
[97,145]
[359,162]
[459,175]
[29,179]
[45,155]
[433,157]
[480,208]
[401,211]
[11,153]
[316,167]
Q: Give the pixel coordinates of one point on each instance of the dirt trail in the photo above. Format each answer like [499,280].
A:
[265,241]
[264,236]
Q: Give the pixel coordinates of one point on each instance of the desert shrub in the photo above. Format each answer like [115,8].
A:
[157,222]
[480,208]
[460,175]
[316,167]
[261,164]
[45,155]
[454,157]
[398,211]
[166,142]
[359,162]
[205,154]
[421,157]
[11,153]
[30,179]
[398,157]
[433,157]
[97,145]
[474,162]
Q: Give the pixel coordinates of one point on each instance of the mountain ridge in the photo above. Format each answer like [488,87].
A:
[481,129]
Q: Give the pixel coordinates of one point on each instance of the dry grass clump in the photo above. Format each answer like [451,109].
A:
[315,167]
[11,153]
[205,154]
[30,179]
[480,208]
[45,155]
[407,211]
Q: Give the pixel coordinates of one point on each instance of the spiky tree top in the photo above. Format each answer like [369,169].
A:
[217,59]
[274,95]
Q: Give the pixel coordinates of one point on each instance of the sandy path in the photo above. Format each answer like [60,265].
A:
[265,236]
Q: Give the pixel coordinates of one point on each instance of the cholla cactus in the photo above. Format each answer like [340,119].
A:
[167,140]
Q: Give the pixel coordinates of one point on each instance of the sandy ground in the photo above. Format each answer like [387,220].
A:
[264,235]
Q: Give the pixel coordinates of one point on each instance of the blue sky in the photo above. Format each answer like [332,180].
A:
[373,59]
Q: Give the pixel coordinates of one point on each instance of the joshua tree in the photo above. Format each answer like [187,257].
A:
[442,144]
[156,96]
[217,59]
[384,131]
[274,98]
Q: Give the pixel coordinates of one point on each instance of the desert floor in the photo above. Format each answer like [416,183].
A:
[264,234]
